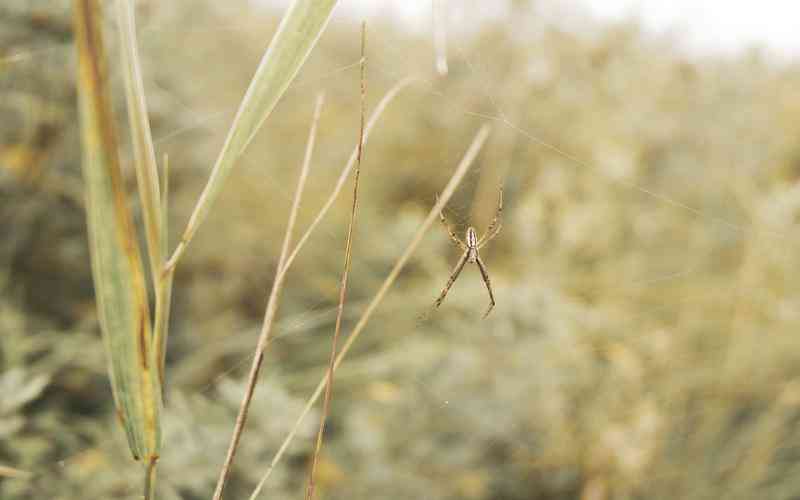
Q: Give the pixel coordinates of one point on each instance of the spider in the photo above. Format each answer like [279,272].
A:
[470,248]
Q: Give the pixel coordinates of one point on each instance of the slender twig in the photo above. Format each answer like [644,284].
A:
[272,306]
[390,95]
[282,270]
[348,253]
[447,192]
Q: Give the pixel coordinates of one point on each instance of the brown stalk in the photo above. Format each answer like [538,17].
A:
[348,253]
[433,215]
[390,95]
[272,306]
[282,270]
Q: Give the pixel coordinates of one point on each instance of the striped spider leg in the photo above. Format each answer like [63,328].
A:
[470,246]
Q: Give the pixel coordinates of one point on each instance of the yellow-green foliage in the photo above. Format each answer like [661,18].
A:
[644,344]
[120,289]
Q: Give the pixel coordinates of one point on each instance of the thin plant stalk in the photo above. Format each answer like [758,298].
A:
[373,120]
[433,215]
[150,480]
[272,306]
[351,162]
[282,270]
[348,253]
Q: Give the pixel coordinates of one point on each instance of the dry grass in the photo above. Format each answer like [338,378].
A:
[643,344]
[348,256]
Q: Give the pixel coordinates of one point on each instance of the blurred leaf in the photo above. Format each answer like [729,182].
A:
[10,426]
[16,391]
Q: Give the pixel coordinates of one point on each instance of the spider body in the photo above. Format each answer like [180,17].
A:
[471,245]
[471,242]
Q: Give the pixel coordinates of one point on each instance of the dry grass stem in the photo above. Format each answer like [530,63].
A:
[150,480]
[351,162]
[283,269]
[447,192]
[348,253]
[272,306]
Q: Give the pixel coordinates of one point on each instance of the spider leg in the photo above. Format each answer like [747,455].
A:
[496,225]
[453,278]
[453,236]
[488,282]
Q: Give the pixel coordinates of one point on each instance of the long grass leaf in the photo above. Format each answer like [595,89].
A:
[164,280]
[297,34]
[141,138]
[119,280]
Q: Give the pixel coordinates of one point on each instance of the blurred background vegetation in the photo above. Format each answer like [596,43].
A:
[644,343]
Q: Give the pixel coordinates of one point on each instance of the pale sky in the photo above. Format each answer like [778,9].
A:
[705,25]
[716,24]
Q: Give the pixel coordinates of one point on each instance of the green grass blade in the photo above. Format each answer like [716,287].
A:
[120,286]
[141,137]
[164,282]
[297,34]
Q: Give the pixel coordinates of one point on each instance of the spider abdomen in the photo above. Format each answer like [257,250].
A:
[472,245]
